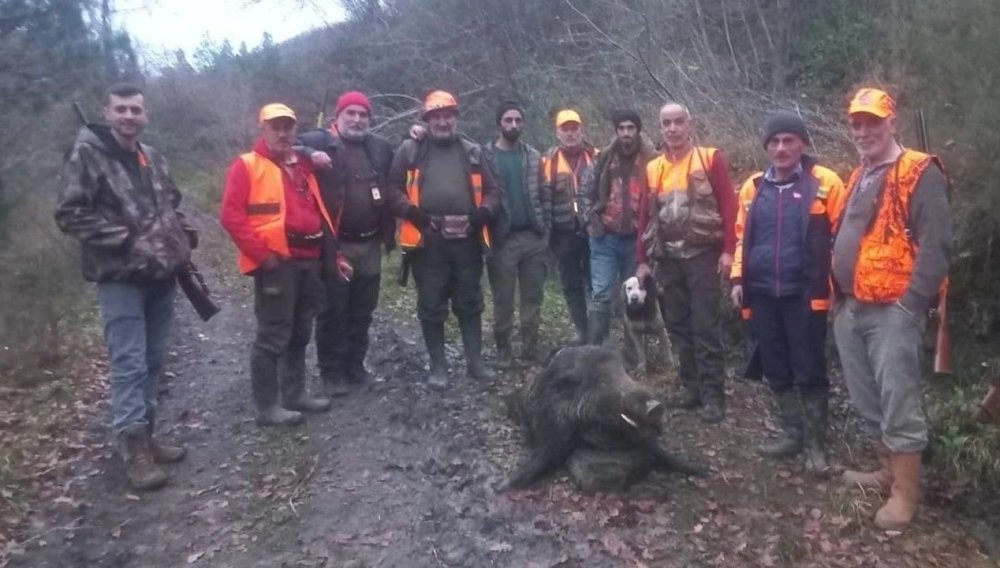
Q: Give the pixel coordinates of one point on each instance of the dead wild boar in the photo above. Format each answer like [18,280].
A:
[584,409]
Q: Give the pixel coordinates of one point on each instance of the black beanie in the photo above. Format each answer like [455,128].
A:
[505,106]
[785,121]
[620,116]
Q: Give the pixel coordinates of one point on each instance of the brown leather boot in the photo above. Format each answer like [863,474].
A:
[161,452]
[899,510]
[142,472]
[879,480]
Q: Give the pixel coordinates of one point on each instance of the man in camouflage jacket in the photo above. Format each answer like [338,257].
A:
[121,204]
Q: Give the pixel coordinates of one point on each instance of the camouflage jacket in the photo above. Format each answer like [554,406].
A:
[128,233]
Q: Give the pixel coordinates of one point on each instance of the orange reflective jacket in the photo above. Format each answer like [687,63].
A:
[410,236]
[888,252]
[266,206]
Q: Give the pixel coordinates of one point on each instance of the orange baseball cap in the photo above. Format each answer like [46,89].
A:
[567,115]
[276,110]
[872,101]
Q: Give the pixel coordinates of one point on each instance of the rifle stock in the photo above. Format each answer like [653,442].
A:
[194,287]
[942,346]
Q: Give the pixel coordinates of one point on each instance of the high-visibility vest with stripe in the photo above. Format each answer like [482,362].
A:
[888,251]
[266,206]
[682,199]
[410,236]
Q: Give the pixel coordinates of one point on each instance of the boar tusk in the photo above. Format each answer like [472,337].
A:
[629,420]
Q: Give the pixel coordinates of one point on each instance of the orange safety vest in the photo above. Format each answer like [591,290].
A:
[266,206]
[410,236]
[888,251]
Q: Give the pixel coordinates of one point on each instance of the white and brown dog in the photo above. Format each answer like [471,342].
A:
[643,319]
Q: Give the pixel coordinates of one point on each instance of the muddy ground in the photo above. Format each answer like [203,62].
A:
[400,475]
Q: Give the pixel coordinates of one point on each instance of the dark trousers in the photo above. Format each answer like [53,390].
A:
[285,302]
[346,312]
[518,264]
[691,290]
[572,251]
[791,338]
[448,270]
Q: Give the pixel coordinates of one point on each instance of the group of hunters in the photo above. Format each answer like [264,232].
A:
[311,214]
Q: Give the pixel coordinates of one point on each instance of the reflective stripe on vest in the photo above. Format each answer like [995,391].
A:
[266,206]
[888,252]
[410,236]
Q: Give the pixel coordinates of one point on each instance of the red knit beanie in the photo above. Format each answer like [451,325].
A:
[352,98]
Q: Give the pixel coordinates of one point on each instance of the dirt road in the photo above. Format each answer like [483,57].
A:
[398,475]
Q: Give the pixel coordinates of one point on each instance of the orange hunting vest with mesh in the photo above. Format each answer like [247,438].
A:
[266,206]
[888,251]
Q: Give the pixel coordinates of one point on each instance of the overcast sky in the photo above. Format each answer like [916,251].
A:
[162,26]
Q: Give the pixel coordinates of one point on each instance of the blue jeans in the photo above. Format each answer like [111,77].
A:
[612,260]
[136,325]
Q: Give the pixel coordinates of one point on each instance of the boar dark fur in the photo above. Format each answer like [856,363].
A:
[585,402]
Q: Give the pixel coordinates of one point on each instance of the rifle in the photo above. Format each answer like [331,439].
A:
[189,279]
[321,115]
[942,347]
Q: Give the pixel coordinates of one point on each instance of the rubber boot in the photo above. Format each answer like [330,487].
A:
[472,341]
[434,339]
[306,403]
[577,308]
[879,480]
[713,405]
[598,322]
[277,416]
[505,355]
[161,452]
[815,406]
[789,442]
[140,468]
[531,352]
[357,374]
[899,510]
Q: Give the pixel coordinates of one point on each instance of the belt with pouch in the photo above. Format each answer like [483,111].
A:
[305,240]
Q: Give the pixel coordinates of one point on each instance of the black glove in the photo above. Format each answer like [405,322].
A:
[418,217]
[481,216]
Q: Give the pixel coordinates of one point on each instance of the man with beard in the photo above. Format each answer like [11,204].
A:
[122,205]
[566,169]
[520,237]
[446,197]
[890,259]
[611,206]
[781,278]
[353,167]
[686,222]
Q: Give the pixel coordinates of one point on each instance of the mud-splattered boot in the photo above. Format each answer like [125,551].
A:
[278,416]
[531,350]
[714,405]
[789,441]
[434,339]
[142,472]
[505,355]
[598,324]
[577,308]
[161,452]
[815,406]
[472,341]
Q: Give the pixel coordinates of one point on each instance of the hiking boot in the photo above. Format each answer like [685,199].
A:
[713,407]
[162,452]
[434,339]
[306,403]
[815,411]
[140,468]
[278,416]
[879,480]
[789,442]
[901,507]
[505,356]
[472,341]
[688,398]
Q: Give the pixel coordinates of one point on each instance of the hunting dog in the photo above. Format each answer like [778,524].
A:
[643,319]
